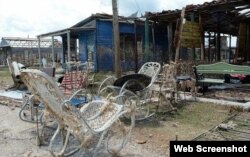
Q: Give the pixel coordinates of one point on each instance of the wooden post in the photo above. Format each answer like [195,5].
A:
[146,49]
[193,49]
[68,46]
[39,53]
[116,39]
[170,41]
[209,47]
[214,51]
[218,43]
[230,48]
[202,38]
[153,39]
[135,47]
[53,52]
[177,52]
[218,46]
[248,43]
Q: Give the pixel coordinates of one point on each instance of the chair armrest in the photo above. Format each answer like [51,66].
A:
[65,106]
[77,93]
[200,76]
[129,82]
[108,81]
[114,89]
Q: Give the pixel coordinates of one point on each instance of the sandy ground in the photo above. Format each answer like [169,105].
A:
[150,138]
[17,138]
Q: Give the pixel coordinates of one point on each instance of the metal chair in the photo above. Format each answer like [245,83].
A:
[135,89]
[94,118]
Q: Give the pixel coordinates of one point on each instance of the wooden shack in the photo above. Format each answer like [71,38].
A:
[206,31]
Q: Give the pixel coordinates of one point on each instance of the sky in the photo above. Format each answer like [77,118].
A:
[29,18]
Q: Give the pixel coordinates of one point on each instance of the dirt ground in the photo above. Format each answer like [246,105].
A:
[149,138]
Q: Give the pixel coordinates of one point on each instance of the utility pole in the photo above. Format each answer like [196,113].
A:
[116,40]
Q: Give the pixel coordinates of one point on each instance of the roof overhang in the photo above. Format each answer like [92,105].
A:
[65,31]
[217,16]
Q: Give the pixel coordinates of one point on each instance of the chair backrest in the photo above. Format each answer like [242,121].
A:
[150,69]
[14,69]
[44,88]
[49,71]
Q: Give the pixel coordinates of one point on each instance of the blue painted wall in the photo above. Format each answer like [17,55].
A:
[87,43]
[100,42]
[104,41]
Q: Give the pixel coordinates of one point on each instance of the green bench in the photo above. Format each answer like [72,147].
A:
[217,68]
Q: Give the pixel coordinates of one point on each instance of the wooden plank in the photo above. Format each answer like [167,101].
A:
[193,34]
[191,27]
[170,38]
[190,45]
[190,38]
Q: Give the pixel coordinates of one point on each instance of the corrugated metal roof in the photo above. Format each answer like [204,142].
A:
[105,16]
[4,43]
[89,24]
[28,42]
[216,5]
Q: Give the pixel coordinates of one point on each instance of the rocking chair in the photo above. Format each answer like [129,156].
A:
[94,118]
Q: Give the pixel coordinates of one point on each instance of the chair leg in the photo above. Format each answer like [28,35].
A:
[125,135]
[120,132]
[65,143]
[99,142]
[53,138]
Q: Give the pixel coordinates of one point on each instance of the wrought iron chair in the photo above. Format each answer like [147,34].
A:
[94,118]
[138,90]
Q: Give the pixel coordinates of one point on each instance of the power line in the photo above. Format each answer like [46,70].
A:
[138,7]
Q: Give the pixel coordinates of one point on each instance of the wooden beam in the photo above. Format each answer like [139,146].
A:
[209,47]
[146,49]
[230,48]
[193,49]
[68,46]
[39,53]
[177,52]
[135,47]
[201,38]
[218,42]
[170,41]
[116,39]
[153,39]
